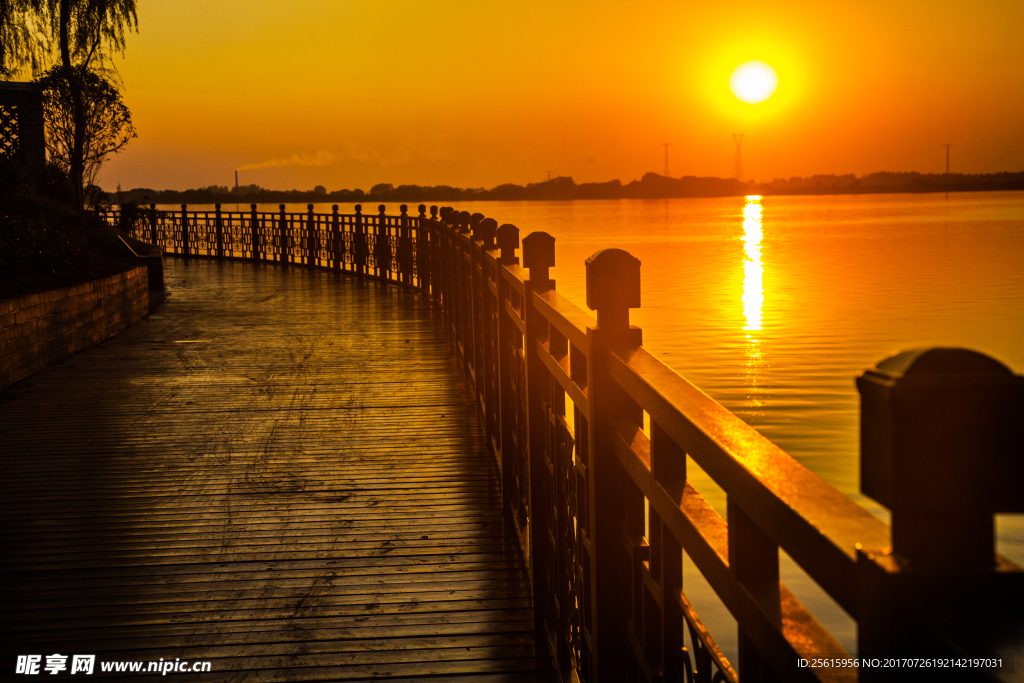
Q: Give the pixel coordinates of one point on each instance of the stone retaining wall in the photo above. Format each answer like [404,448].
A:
[39,330]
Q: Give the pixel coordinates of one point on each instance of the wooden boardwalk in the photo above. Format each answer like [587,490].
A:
[280,472]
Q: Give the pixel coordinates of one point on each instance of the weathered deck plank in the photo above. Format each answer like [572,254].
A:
[280,472]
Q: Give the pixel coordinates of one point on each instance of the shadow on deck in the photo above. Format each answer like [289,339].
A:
[280,472]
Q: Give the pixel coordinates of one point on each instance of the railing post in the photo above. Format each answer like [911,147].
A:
[538,257]
[218,228]
[474,291]
[488,334]
[508,243]
[152,224]
[337,242]
[382,248]
[254,232]
[404,247]
[437,273]
[359,242]
[941,447]
[185,249]
[465,286]
[423,250]
[613,287]
[282,225]
[449,266]
[312,243]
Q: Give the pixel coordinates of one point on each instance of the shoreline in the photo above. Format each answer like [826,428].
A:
[191,197]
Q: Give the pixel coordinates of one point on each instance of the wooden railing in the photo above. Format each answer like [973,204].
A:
[592,435]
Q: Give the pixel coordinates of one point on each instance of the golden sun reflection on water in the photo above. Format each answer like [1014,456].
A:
[753,270]
[753,297]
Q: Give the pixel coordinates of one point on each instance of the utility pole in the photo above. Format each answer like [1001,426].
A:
[947,146]
[738,170]
[666,145]
[236,178]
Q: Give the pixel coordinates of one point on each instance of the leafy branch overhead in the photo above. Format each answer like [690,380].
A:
[85,33]
[108,123]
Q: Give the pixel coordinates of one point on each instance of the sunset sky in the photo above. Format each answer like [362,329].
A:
[474,94]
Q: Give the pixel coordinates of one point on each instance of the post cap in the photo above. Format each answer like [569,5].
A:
[613,280]
[507,237]
[309,207]
[381,208]
[433,211]
[463,221]
[334,208]
[941,428]
[486,231]
[281,207]
[217,206]
[538,251]
[403,209]
[359,208]
[252,206]
[184,207]
[474,223]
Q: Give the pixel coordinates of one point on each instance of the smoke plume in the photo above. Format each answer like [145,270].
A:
[321,158]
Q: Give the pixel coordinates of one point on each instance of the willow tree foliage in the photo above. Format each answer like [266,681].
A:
[18,45]
[80,39]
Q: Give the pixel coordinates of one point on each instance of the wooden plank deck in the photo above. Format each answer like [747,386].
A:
[280,472]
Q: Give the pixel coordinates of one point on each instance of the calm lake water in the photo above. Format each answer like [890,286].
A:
[773,305]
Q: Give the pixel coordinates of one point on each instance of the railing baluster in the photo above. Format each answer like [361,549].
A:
[382,247]
[282,235]
[312,241]
[152,224]
[337,241]
[185,247]
[219,231]
[360,242]
[254,234]
[404,247]
[422,245]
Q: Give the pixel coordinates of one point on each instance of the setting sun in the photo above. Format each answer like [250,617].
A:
[753,82]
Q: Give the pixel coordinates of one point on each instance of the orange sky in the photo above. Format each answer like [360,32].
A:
[474,94]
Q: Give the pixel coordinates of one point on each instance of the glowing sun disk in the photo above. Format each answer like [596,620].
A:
[753,81]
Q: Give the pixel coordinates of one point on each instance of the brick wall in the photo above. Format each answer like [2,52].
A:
[39,330]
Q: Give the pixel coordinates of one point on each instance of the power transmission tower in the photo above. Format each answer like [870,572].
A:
[947,146]
[666,145]
[738,170]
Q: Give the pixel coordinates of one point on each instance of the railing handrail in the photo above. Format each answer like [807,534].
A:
[818,525]
[527,348]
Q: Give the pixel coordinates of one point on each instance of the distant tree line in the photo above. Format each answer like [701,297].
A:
[651,186]
[876,182]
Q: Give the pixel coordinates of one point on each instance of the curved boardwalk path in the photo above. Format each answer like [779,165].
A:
[280,472]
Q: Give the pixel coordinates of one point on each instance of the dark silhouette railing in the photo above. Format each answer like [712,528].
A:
[592,434]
